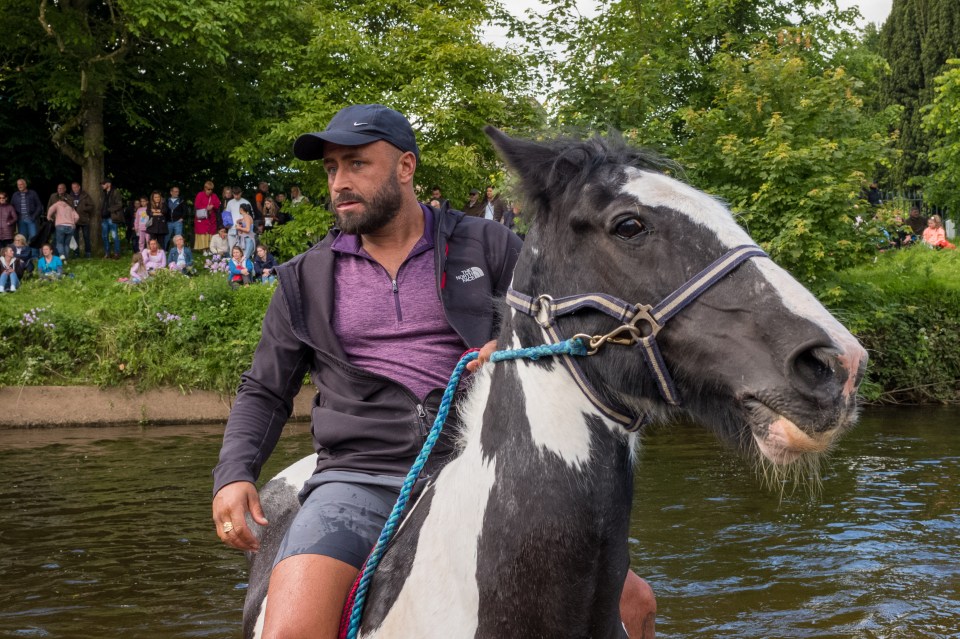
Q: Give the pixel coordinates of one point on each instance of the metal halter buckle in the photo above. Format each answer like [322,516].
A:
[625,334]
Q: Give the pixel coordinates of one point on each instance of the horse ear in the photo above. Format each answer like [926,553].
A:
[536,164]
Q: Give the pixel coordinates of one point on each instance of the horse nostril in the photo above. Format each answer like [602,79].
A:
[818,370]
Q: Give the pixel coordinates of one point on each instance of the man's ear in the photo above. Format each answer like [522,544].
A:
[406,167]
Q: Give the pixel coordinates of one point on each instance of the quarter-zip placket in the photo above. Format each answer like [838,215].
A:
[396,298]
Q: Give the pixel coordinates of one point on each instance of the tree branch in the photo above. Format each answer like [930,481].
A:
[59,139]
[119,51]
[48,28]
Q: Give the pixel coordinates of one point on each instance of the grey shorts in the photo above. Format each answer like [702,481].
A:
[339,519]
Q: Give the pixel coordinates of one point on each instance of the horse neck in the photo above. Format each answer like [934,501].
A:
[560,490]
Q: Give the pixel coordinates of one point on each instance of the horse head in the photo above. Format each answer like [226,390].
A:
[749,352]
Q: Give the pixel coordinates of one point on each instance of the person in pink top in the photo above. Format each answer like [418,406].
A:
[153,256]
[138,272]
[934,235]
[64,218]
[140,221]
[207,205]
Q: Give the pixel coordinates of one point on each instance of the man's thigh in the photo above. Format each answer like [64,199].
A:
[339,520]
[320,557]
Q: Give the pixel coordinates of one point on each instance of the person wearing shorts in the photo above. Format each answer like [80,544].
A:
[377,316]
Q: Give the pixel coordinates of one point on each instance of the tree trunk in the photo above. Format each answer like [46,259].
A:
[92,165]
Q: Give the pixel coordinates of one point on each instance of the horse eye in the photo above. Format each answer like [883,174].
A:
[629,228]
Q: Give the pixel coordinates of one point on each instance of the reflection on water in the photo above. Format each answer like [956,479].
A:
[107,533]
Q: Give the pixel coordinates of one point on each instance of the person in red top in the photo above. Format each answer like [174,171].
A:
[207,205]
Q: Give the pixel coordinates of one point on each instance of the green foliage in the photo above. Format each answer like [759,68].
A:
[787,144]
[942,121]
[309,225]
[917,39]
[905,309]
[423,58]
[635,64]
[168,331]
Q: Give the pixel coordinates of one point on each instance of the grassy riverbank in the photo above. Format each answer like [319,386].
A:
[188,333]
[198,333]
[905,308]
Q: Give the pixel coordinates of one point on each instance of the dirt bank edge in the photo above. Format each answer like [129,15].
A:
[72,406]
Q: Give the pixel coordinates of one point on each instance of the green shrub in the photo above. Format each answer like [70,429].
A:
[309,225]
[170,330]
[905,309]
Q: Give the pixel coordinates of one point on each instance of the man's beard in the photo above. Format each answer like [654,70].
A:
[377,213]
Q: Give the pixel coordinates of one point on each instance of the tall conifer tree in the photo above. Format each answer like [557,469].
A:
[917,40]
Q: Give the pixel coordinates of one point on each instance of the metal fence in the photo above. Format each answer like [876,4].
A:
[906,200]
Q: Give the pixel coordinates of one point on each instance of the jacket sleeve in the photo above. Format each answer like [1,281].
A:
[264,400]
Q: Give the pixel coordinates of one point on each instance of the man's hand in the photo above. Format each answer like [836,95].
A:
[485,352]
[230,506]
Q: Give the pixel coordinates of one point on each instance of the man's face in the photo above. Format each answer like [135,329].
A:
[364,185]
[21,185]
[237,195]
[61,189]
[489,193]
[105,186]
[75,187]
[474,197]
[264,186]
[914,213]
[436,194]
[175,192]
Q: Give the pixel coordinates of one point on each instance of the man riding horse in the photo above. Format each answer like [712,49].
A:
[378,316]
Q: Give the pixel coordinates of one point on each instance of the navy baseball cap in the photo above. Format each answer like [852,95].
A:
[356,125]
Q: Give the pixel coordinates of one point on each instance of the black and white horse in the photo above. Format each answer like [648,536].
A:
[524,533]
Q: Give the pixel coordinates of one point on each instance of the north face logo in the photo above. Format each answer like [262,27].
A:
[470,274]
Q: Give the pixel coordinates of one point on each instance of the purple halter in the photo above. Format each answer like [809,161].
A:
[640,324]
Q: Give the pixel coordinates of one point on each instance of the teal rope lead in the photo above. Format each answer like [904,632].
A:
[569,347]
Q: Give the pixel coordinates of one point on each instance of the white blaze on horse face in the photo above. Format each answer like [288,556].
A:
[441,597]
[657,190]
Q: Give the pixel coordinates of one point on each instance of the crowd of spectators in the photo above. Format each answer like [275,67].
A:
[38,240]
[156,228]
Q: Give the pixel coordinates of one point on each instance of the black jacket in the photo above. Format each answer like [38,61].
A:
[361,421]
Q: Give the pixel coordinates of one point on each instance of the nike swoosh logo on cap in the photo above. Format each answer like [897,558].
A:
[360,123]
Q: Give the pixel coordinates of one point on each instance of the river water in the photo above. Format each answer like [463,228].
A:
[107,533]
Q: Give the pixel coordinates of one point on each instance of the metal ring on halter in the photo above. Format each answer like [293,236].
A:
[544,306]
[644,314]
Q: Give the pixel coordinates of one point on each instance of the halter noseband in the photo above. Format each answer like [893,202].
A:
[640,324]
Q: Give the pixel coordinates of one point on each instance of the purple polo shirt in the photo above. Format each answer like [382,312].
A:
[395,328]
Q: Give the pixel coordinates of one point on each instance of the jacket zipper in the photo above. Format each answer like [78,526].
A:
[422,417]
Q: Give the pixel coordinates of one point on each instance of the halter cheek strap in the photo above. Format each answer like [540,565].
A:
[639,326]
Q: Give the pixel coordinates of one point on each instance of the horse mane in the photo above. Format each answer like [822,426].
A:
[554,172]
